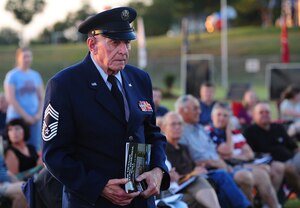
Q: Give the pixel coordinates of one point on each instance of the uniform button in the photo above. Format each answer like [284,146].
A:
[130,138]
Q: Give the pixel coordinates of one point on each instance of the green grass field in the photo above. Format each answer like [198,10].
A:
[247,41]
[293,203]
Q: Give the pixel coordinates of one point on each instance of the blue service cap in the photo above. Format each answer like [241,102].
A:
[113,23]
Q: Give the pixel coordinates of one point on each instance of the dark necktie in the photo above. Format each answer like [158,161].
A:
[117,93]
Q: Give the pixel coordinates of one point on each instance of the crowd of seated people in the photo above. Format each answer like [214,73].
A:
[267,138]
[201,147]
[227,194]
[220,155]
[259,154]
[230,143]
[19,162]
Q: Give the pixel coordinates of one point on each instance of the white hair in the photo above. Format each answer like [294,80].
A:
[169,114]
[182,100]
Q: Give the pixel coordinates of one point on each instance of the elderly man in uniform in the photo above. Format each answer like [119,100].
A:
[92,109]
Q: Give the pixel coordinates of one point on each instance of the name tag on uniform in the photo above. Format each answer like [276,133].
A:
[145,106]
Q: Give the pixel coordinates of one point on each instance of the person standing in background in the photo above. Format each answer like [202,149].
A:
[23,89]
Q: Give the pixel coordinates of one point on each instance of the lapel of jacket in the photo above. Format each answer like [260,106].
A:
[102,94]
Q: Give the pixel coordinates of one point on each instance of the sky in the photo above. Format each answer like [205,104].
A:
[55,10]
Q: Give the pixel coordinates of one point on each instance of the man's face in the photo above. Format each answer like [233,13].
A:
[191,112]
[111,55]
[261,114]
[173,128]
[207,93]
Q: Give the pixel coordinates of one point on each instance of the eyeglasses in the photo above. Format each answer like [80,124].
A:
[175,124]
[193,108]
[264,112]
[222,114]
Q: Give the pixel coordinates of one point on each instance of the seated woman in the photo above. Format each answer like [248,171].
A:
[228,194]
[232,145]
[243,110]
[19,156]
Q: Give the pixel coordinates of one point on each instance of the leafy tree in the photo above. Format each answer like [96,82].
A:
[45,36]
[8,36]
[194,7]
[267,10]
[61,27]
[24,10]
[138,5]
[157,17]
[256,12]
[85,11]
[248,12]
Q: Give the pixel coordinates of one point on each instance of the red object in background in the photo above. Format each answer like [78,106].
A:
[236,107]
[285,54]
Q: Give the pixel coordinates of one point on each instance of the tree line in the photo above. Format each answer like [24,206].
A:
[158,16]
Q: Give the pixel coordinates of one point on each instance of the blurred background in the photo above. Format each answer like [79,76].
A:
[230,42]
[236,44]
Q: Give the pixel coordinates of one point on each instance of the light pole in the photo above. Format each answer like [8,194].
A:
[224,44]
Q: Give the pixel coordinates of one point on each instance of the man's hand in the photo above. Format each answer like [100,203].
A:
[153,179]
[115,194]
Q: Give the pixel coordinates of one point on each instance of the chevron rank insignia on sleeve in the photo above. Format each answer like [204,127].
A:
[50,123]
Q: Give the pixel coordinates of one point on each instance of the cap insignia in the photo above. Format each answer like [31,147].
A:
[125,15]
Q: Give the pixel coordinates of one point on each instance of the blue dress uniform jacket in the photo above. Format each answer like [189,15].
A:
[84,133]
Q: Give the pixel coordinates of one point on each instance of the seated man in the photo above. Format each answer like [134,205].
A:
[228,193]
[265,137]
[231,145]
[201,147]
[11,188]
